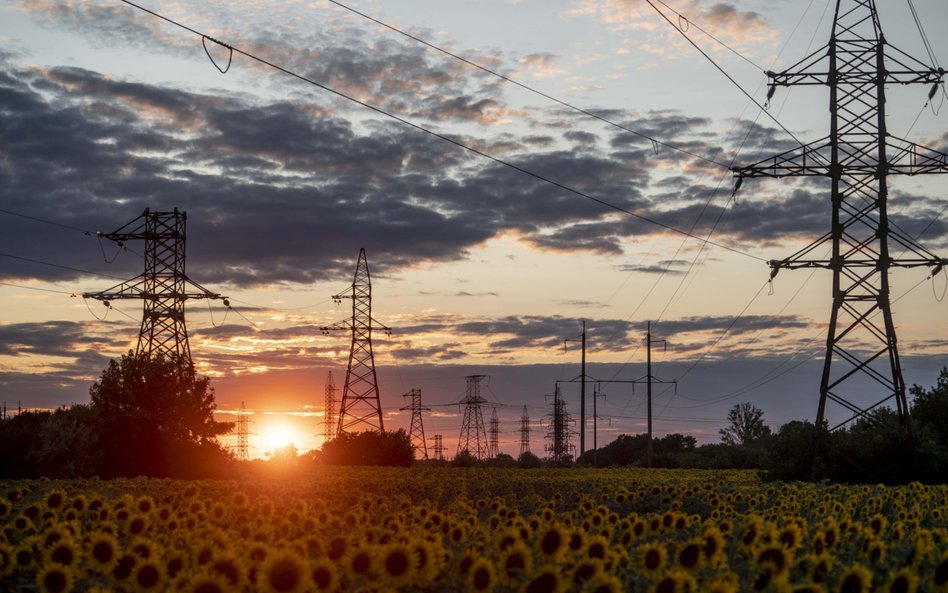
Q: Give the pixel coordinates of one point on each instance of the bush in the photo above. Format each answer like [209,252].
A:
[369,448]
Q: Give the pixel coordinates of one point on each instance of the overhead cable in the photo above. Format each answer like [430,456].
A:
[450,140]
[527,87]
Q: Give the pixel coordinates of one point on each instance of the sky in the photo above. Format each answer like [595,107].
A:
[496,215]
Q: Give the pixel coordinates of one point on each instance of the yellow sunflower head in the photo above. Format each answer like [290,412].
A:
[397,564]
[546,580]
[64,552]
[149,575]
[284,571]
[651,558]
[481,577]
[515,563]
[54,578]
[324,575]
[855,579]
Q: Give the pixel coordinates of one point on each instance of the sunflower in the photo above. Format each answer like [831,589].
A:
[283,571]
[102,552]
[7,559]
[148,575]
[676,581]
[855,579]
[652,558]
[64,552]
[324,574]
[689,555]
[903,581]
[427,560]
[553,542]
[514,563]
[712,545]
[751,532]
[397,564]
[54,578]
[358,563]
[203,581]
[939,578]
[597,546]
[585,570]
[481,577]
[546,580]
[55,499]
[229,566]
[777,556]
[790,536]
[603,583]
[727,583]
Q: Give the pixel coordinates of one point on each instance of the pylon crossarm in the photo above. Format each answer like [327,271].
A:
[909,158]
[805,71]
[807,160]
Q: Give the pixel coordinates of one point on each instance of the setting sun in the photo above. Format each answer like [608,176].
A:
[278,437]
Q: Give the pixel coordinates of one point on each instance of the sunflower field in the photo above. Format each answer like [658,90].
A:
[443,529]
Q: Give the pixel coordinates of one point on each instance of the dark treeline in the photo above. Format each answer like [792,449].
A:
[873,449]
[155,417]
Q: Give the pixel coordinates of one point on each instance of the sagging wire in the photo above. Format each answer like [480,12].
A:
[230,57]
[939,269]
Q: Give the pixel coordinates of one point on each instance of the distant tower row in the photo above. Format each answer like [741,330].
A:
[417,430]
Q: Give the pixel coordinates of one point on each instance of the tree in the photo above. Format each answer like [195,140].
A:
[370,448]
[745,426]
[156,418]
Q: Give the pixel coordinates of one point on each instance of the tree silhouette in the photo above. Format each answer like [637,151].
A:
[745,426]
[156,417]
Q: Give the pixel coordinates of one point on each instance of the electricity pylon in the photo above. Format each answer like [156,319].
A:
[243,433]
[360,396]
[524,431]
[329,410]
[493,447]
[417,430]
[473,421]
[858,156]
[163,287]
[439,447]
[559,433]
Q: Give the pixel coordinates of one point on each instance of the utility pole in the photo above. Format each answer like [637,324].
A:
[858,156]
[360,395]
[329,410]
[473,421]
[582,390]
[417,430]
[163,287]
[524,431]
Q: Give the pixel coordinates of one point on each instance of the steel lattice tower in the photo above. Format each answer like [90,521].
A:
[417,429]
[857,156]
[163,287]
[439,447]
[559,433]
[329,410]
[243,434]
[524,431]
[494,444]
[360,395]
[473,421]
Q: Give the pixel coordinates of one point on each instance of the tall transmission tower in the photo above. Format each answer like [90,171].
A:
[494,431]
[582,390]
[243,434]
[417,430]
[559,433]
[473,438]
[163,287]
[858,156]
[524,431]
[329,407]
[439,447]
[360,406]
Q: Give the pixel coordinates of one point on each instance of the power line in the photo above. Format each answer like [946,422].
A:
[527,87]
[690,22]
[43,220]
[81,271]
[448,139]
[730,78]
[72,294]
